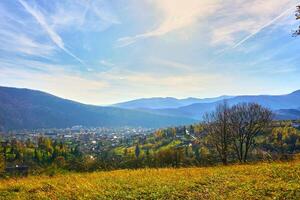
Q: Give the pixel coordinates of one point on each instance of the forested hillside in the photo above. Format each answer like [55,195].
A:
[29,109]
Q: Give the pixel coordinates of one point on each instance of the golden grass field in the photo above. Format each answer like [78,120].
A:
[255,181]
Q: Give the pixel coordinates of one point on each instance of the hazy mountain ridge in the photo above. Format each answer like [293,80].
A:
[166,102]
[274,102]
[30,109]
[288,114]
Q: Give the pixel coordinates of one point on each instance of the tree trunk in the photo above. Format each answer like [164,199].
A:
[224,161]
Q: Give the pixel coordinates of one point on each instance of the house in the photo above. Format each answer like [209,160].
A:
[296,125]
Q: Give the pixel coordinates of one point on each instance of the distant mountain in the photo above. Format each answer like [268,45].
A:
[274,102]
[165,103]
[30,109]
[288,114]
[209,100]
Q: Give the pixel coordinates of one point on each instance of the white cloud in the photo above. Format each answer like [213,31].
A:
[22,44]
[55,79]
[134,84]
[107,63]
[172,64]
[228,22]
[175,15]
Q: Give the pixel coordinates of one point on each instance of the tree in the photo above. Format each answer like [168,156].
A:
[285,140]
[137,151]
[125,151]
[2,163]
[217,126]
[158,134]
[247,121]
[173,131]
[298,18]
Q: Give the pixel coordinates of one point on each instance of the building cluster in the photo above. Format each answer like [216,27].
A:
[89,139]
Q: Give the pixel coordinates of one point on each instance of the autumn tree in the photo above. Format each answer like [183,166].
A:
[2,156]
[247,121]
[2,163]
[285,140]
[217,125]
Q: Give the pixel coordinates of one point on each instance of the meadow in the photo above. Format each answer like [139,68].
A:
[278,180]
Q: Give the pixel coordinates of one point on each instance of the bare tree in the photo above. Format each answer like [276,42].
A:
[218,128]
[247,120]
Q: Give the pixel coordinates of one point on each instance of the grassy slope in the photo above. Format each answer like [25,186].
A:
[259,181]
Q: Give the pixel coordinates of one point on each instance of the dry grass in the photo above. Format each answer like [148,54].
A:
[257,181]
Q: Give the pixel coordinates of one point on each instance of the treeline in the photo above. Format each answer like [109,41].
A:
[239,133]
[38,156]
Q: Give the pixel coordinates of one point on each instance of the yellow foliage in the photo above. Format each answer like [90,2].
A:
[256,181]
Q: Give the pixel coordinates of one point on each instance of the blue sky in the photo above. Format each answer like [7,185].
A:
[105,51]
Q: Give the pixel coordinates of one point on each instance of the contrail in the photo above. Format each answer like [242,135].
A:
[51,33]
[261,28]
[252,34]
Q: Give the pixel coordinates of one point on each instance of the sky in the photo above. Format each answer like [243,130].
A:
[106,51]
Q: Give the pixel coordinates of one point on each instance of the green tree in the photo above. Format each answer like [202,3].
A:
[196,150]
[125,151]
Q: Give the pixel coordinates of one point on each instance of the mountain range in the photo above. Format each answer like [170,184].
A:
[31,109]
[285,106]
[167,102]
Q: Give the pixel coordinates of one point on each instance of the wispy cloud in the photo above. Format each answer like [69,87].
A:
[234,46]
[263,27]
[107,63]
[87,15]
[24,45]
[260,17]
[175,16]
[51,33]
[227,21]
[174,65]
[244,19]
[58,79]
[17,39]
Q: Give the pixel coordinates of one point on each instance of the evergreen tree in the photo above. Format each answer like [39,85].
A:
[137,151]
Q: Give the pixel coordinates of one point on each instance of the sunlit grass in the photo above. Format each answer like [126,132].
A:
[256,181]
